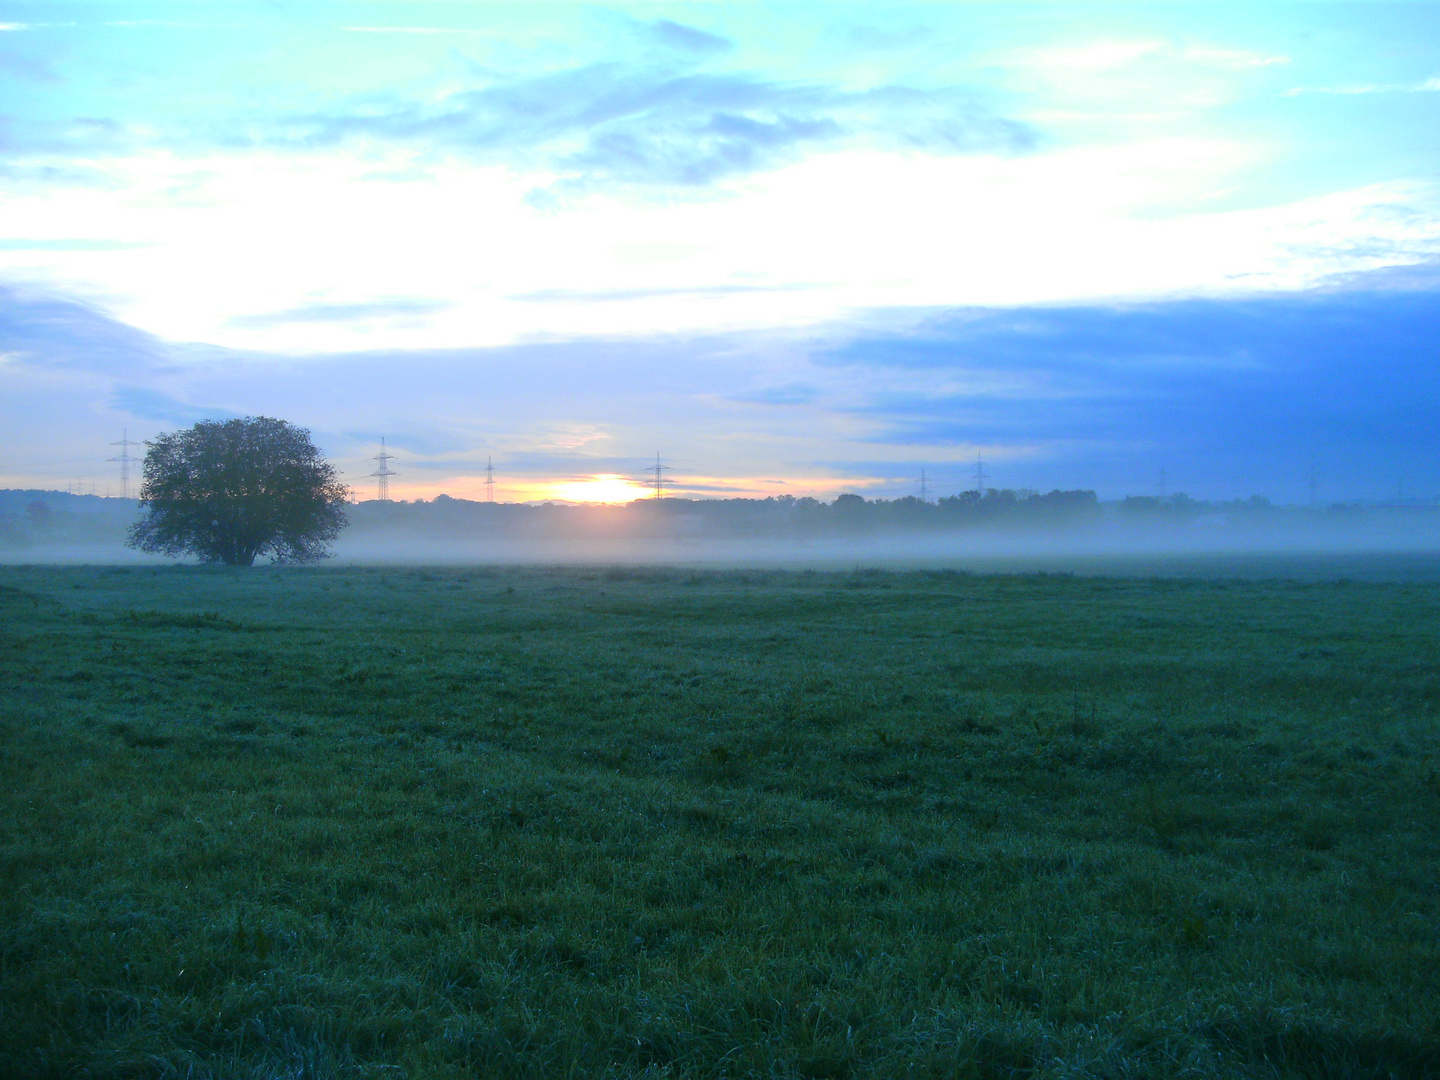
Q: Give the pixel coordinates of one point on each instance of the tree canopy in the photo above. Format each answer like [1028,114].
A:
[229,491]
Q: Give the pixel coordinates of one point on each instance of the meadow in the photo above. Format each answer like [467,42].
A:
[616,822]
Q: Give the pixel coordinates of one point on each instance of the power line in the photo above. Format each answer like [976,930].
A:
[54,461]
[979,474]
[384,473]
[657,476]
[125,459]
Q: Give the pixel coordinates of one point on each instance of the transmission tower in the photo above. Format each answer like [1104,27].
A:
[980,474]
[125,459]
[924,487]
[384,473]
[1163,485]
[489,480]
[657,477]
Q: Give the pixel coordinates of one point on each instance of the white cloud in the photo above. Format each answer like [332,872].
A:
[1094,56]
[1118,55]
[1232,58]
[1142,80]
[1369,88]
[405,30]
[1428,86]
[238,245]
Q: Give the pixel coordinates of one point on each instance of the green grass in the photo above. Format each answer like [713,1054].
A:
[624,822]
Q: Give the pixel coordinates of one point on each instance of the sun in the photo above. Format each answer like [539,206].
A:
[605,488]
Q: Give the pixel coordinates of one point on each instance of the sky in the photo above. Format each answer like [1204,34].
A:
[792,248]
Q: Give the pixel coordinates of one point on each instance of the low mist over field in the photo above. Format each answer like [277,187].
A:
[1061,531]
[777,531]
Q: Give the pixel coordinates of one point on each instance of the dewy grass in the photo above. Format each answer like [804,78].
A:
[607,823]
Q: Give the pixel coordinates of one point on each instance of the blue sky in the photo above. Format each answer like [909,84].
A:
[800,248]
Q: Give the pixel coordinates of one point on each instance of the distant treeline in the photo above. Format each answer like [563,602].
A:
[783,516]
[31,518]
[37,520]
[772,518]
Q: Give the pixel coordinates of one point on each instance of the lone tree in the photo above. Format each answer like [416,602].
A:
[230,490]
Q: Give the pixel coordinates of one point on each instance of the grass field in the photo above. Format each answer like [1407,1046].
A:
[624,822]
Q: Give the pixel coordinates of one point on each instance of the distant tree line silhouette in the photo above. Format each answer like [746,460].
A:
[39,520]
[783,516]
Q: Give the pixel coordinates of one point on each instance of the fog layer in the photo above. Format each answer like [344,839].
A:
[1067,532]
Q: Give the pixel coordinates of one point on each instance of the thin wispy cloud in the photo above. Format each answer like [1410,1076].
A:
[146,403]
[337,313]
[685,39]
[1232,58]
[1262,376]
[789,394]
[655,125]
[656,118]
[1429,86]
[78,244]
[602,296]
[174,24]
[33,68]
[406,30]
[48,333]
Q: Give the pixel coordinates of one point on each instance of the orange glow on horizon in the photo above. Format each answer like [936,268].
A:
[612,488]
[604,488]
